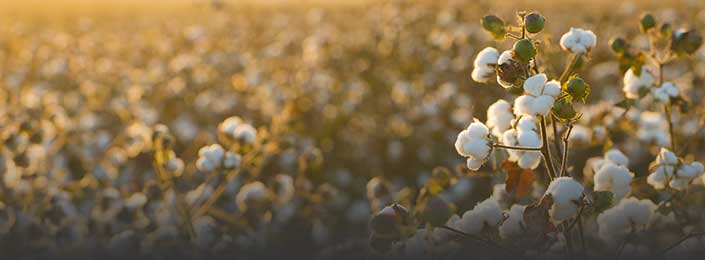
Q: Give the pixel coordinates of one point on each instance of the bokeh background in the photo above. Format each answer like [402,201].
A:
[349,90]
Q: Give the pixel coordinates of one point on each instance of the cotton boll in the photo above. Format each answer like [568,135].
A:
[499,117]
[527,123]
[474,164]
[534,85]
[231,160]
[485,214]
[484,65]
[514,224]
[616,223]
[552,88]
[530,160]
[614,178]
[578,40]
[566,194]
[245,133]
[251,196]
[657,180]
[542,105]
[667,157]
[633,83]
[523,105]
[580,134]
[477,148]
[504,58]
[665,92]
[229,125]
[617,157]
[477,130]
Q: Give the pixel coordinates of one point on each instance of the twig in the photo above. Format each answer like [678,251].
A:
[573,60]
[522,148]
[681,240]
[564,160]
[546,151]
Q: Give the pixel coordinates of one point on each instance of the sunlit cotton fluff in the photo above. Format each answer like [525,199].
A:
[485,214]
[251,195]
[652,129]
[504,58]
[484,64]
[235,127]
[210,157]
[499,117]
[685,174]
[612,174]
[634,84]
[578,40]
[539,96]
[630,215]
[231,160]
[474,143]
[665,166]
[514,224]
[525,135]
[566,194]
[665,92]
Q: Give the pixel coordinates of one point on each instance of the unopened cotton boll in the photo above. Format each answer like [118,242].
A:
[474,143]
[485,214]
[566,194]
[665,92]
[514,224]
[634,84]
[578,40]
[484,65]
[499,117]
[630,215]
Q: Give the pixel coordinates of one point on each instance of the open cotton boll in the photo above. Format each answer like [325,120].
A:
[652,128]
[534,84]
[251,195]
[539,96]
[614,178]
[666,162]
[245,133]
[514,224]
[484,65]
[210,157]
[665,156]
[525,135]
[617,157]
[485,214]
[578,40]
[566,194]
[474,143]
[690,171]
[658,179]
[616,223]
[665,92]
[633,83]
[580,134]
[229,125]
[499,117]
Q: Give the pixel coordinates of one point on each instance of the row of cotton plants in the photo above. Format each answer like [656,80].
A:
[545,206]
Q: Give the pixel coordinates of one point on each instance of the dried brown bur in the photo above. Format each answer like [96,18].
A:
[537,222]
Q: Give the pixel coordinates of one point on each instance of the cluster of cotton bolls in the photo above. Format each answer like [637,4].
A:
[628,217]
[670,171]
[525,134]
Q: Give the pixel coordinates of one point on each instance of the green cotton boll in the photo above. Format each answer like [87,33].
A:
[647,22]
[687,42]
[564,110]
[524,49]
[577,88]
[534,22]
[618,45]
[494,25]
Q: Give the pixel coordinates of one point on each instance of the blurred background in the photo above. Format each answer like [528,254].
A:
[350,90]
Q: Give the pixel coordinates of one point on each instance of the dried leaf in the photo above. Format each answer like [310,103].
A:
[519,181]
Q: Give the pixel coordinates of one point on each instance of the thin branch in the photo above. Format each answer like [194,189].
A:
[681,240]
[571,64]
[546,151]
[671,133]
[521,148]
[564,160]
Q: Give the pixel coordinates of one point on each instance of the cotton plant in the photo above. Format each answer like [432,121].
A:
[552,210]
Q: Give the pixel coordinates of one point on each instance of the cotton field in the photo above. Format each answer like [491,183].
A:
[392,129]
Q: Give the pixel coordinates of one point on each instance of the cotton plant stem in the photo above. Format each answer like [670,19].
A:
[679,241]
[568,69]
[556,141]
[521,148]
[564,159]
[671,132]
[546,151]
